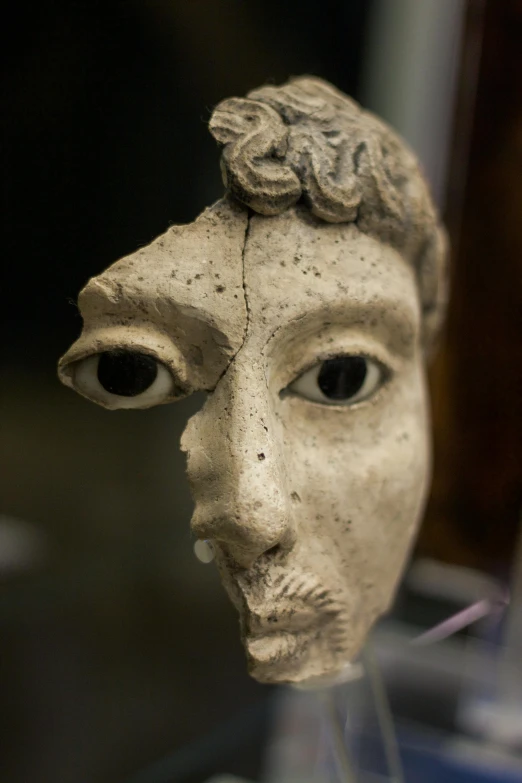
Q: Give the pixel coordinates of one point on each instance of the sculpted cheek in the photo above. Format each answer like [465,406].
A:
[366,491]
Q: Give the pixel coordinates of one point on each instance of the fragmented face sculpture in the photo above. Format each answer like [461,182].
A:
[304,303]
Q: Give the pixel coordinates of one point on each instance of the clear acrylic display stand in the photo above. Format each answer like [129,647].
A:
[343,732]
[336,733]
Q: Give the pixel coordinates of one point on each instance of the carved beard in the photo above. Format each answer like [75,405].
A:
[293,626]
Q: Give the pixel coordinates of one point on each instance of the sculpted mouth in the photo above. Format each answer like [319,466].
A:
[266,648]
[281,637]
[285,635]
[283,613]
[290,622]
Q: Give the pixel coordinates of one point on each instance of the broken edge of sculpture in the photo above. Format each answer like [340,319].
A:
[305,303]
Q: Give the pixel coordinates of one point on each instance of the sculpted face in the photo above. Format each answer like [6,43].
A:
[303,303]
[309,460]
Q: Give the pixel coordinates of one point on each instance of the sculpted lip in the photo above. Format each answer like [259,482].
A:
[264,648]
[283,622]
[283,615]
[293,609]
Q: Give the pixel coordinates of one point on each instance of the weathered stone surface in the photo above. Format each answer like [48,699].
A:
[309,491]
[179,299]
[305,140]
[312,506]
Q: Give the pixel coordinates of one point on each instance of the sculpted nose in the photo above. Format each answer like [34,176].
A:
[236,470]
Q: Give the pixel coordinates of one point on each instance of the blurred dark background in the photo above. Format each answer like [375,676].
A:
[118,647]
[105,112]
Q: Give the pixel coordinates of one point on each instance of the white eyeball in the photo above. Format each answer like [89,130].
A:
[122,378]
[343,380]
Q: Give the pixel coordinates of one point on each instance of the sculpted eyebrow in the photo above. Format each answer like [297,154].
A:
[396,323]
[110,298]
[101,292]
[391,321]
[105,302]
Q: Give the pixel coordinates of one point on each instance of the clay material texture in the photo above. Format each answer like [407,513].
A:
[305,303]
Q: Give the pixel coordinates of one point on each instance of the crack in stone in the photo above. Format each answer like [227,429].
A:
[247,306]
[245,294]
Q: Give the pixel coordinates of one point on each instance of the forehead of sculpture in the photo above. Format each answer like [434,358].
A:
[301,271]
[187,284]
[195,268]
[198,290]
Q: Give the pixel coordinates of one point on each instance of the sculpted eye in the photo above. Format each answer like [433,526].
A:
[123,379]
[343,380]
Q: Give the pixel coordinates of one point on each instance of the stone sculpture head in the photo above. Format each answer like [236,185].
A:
[304,303]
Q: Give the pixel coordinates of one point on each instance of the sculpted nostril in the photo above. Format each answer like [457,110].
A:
[274,550]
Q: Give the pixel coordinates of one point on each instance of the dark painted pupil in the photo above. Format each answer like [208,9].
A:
[126,373]
[342,377]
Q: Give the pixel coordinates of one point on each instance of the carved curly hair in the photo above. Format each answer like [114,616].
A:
[306,141]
